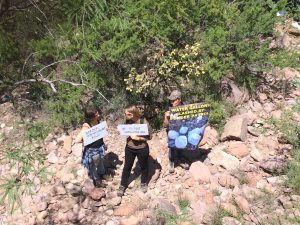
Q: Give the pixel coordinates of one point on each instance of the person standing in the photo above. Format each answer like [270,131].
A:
[136,146]
[175,154]
[92,156]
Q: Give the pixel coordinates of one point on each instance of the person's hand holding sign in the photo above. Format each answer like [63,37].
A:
[137,138]
[167,118]
[134,137]
[167,115]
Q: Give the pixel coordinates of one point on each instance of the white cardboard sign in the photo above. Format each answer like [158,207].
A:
[94,133]
[133,129]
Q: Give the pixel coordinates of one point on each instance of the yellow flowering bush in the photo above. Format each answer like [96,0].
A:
[165,68]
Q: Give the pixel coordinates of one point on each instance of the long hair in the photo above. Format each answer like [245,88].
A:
[136,112]
[90,112]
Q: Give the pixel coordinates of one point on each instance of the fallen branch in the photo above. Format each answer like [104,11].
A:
[40,78]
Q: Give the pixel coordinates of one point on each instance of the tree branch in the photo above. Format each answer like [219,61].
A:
[41,78]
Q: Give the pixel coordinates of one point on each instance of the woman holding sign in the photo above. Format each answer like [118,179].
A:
[93,153]
[136,146]
[174,153]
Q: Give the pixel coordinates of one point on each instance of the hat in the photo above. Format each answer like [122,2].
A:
[174,95]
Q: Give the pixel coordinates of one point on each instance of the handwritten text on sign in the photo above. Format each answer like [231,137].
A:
[133,129]
[94,133]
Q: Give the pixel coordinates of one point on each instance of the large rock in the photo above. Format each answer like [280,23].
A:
[58,189]
[132,220]
[164,205]
[88,186]
[243,204]
[267,144]
[227,180]
[210,137]
[276,114]
[65,175]
[68,144]
[126,209]
[68,204]
[273,165]
[269,107]
[41,217]
[200,172]
[198,210]
[77,149]
[264,147]
[115,201]
[289,73]
[235,128]
[232,93]
[52,158]
[52,146]
[238,149]
[221,158]
[255,106]
[230,221]
[252,178]
[97,193]
[226,196]
[251,193]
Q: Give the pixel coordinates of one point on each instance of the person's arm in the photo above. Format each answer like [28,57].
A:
[79,137]
[149,136]
[166,119]
[143,138]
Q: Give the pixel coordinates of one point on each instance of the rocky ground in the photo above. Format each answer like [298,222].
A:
[236,172]
[235,175]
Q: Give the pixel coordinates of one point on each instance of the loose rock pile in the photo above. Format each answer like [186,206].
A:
[236,174]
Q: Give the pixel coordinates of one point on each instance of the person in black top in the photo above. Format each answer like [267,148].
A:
[136,147]
[92,156]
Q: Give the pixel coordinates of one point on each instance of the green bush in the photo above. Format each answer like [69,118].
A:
[290,132]
[288,127]
[217,215]
[27,162]
[219,112]
[37,131]
[190,45]
[65,107]
[170,218]
[293,170]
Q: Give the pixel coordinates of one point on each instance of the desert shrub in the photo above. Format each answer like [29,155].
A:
[27,161]
[288,127]
[144,48]
[217,215]
[65,107]
[290,132]
[37,131]
[220,110]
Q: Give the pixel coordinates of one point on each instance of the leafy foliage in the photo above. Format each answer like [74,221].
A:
[290,132]
[288,126]
[26,162]
[65,107]
[217,215]
[37,131]
[144,48]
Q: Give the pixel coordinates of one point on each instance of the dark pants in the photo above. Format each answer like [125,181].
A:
[175,154]
[130,154]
